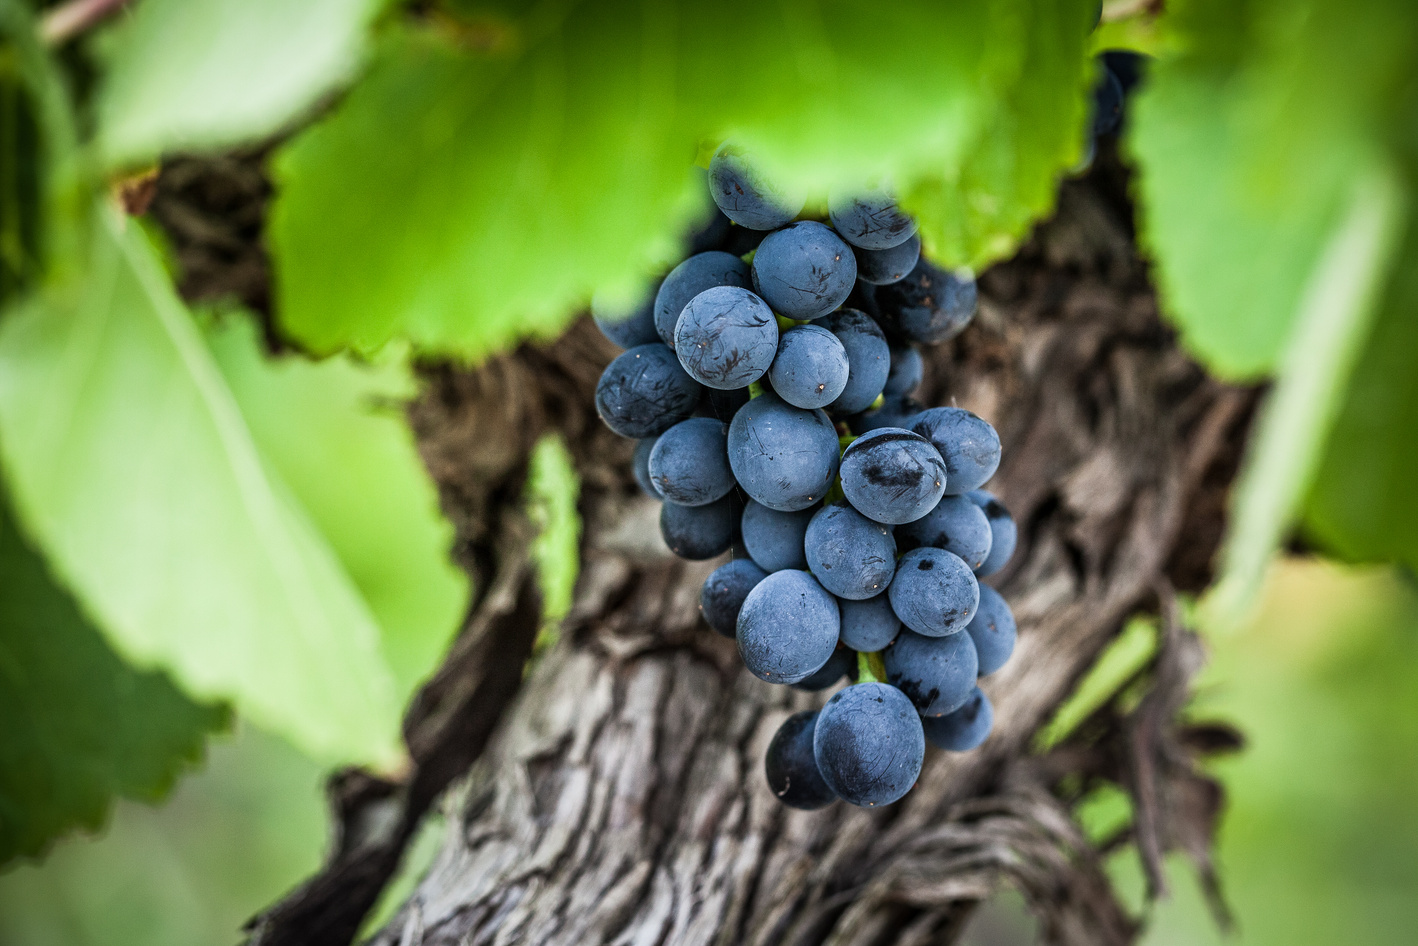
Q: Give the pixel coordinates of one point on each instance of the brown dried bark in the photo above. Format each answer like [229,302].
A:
[618,796]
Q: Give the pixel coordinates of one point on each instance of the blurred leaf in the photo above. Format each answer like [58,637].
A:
[1128,654]
[335,433]
[1364,506]
[1250,151]
[1333,322]
[193,74]
[552,492]
[545,157]
[81,726]
[133,469]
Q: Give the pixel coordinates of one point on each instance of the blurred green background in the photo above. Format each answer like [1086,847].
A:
[1316,846]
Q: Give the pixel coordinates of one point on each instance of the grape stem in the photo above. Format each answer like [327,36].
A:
[870,667]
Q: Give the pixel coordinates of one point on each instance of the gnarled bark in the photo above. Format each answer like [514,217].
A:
[618,796]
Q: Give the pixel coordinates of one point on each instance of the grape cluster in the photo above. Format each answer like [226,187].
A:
[771,397]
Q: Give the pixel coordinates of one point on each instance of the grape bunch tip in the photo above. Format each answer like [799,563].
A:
[769,390]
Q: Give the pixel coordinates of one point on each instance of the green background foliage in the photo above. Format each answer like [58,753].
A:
[197,523]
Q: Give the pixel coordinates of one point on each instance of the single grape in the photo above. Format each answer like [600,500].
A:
[626,325]
[907,371]
[775,539]
[642,467]
[791,767]
[852,556]
[869,744]
[868,625]
[687,280]
[968,444]
[882,267]
[804,271]
[787,627]
[957,525]
[898,410]
[724,590]
[871,220]
[1107,106]
[810,369]
[839,665]
[934,592]
[964,729]
[782,456]
[745,196]
[892,475]
[690,462]
[726,338]
[645,392]
[937,674]
[1004,533]
[700,532]
[993,631]
[929,305]
[868,356]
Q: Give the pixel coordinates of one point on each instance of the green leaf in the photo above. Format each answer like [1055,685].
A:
[81,726]
[552,492]
[1334,317]
[133,469]
[546,156]
[1250,150]
[335,433]
[193,74]
[1364,506]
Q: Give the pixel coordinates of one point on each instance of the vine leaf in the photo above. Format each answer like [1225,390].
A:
[190,74]
[81,726]
[133,469]
[485,178]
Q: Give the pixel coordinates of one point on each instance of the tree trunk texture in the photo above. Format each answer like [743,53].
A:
[613,792]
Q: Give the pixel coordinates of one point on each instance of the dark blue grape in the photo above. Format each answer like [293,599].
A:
[934,592]
[1004,533]
[1128,66]
[641,466]
[868,625]
[937,674]
[993,631]
[690,462]
[929,305]
[852,556]
[726,338]
[957,525]
[964,729]
[898,410]
[745,196]
[626,326]
[791,767]
[810,369]
[1107,106]
[839,665]
[645,392]
[724,590]
[690,278]
[775,539]
[869,744]
[700,532]
[804,271]
[892,475]
[871,221]
[868,356]
[882,267]
[907,371]
[783,456]
[968,444]
[787,627]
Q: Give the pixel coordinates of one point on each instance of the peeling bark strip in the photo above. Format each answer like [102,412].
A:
[618,796]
